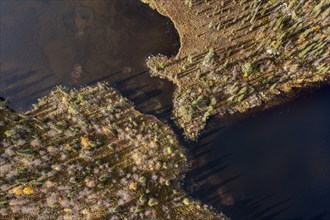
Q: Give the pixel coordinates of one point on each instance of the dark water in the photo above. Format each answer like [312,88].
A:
[74,43]
[273,165]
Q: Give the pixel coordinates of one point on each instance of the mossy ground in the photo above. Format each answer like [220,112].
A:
[238,55]
[88,154]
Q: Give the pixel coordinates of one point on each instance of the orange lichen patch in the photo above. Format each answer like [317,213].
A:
[85,142]
[85,212]
[67,210]
[28,190]
[57,167]
[301,39]
[150,166]
[132,186]
[294,15]
[68,146]
[153,144]
[317,28]
[307,6]
[137,159]
[18,190]
[273,43]
[64,99]
[105,129]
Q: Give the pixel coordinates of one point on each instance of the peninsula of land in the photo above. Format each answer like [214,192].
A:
[88,154]
[239,55]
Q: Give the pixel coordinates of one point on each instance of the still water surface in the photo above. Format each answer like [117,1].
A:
[274,165]
[74,43]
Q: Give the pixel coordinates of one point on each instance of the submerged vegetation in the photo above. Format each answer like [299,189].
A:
[88,154]
[237,55]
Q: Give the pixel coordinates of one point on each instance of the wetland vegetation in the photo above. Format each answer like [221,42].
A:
[92,152]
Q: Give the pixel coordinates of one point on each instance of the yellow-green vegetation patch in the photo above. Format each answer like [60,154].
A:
[237,55]
[88,154]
